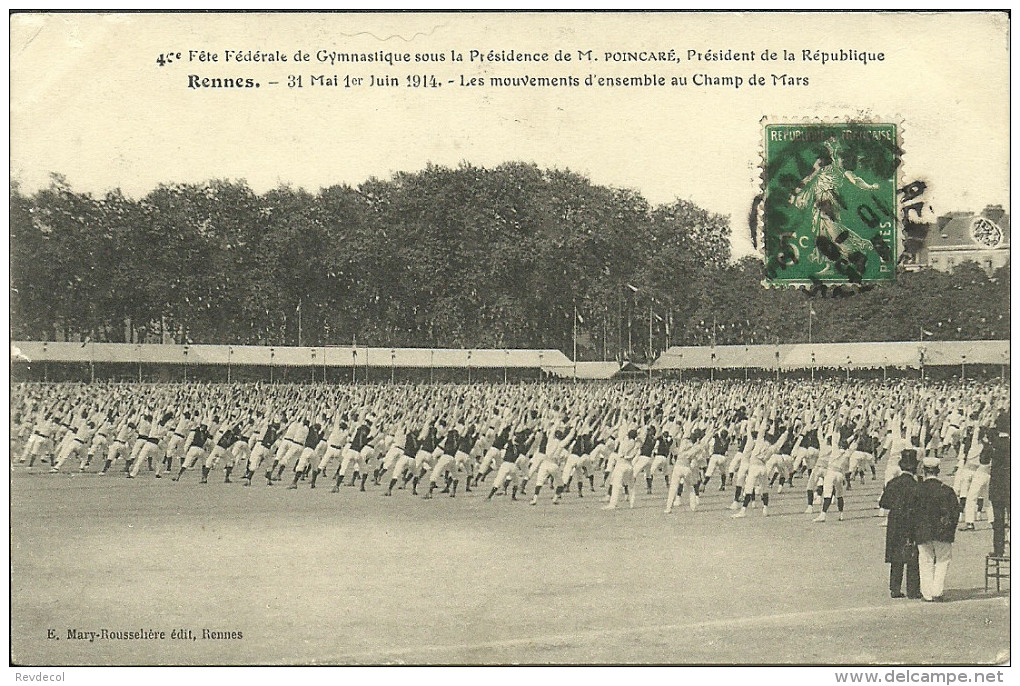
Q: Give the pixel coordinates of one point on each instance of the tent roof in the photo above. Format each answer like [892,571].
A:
[287,356]
[855,355]
[586,370]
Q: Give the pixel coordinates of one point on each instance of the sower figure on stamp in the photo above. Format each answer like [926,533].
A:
[820,190]
[899,498]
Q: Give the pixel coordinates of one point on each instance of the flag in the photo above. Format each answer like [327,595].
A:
[927,333]
[88,339]
[811,311]
[657,316]
[633,288]
[298,306]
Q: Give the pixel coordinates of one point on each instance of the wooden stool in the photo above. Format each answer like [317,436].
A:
[996,567]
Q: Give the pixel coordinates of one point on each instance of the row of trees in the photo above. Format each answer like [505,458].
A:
[967,304]
[465,257]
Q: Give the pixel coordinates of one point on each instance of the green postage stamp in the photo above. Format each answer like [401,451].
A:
[829,211]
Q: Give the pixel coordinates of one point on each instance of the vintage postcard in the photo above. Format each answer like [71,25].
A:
[510,338]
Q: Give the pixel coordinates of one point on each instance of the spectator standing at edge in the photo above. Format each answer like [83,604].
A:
[998,486]
[934,529]
[899,498]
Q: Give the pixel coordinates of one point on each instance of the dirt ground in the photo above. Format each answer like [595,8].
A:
[309,577]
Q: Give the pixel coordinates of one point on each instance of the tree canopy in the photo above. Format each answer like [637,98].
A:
[467,257]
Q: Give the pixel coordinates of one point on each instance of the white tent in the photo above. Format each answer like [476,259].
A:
[591,370]
[287,356]
[17,355]
[820,355]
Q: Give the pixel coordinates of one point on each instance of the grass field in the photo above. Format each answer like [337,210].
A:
[309,577]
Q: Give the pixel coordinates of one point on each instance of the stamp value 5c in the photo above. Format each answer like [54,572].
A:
[830,212]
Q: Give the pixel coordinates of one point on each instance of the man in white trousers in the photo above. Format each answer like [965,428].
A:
[937,509]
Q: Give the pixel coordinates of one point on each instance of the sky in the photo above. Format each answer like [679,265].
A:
[89,101]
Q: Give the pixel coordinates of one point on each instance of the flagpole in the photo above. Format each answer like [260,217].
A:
[299,322]
[619,325]
[712,370]
[649,338]
[605,337]
[649,341]
[630,317]
[810,323]
[575,343]
[777,358]
[920,351]
[630,335]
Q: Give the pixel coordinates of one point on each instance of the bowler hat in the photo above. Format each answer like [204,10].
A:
[908,460]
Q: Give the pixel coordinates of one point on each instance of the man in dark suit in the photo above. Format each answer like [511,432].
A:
[937,509]
[998,485]
[900,549]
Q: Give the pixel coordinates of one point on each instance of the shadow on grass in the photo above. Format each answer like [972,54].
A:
[953,595]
